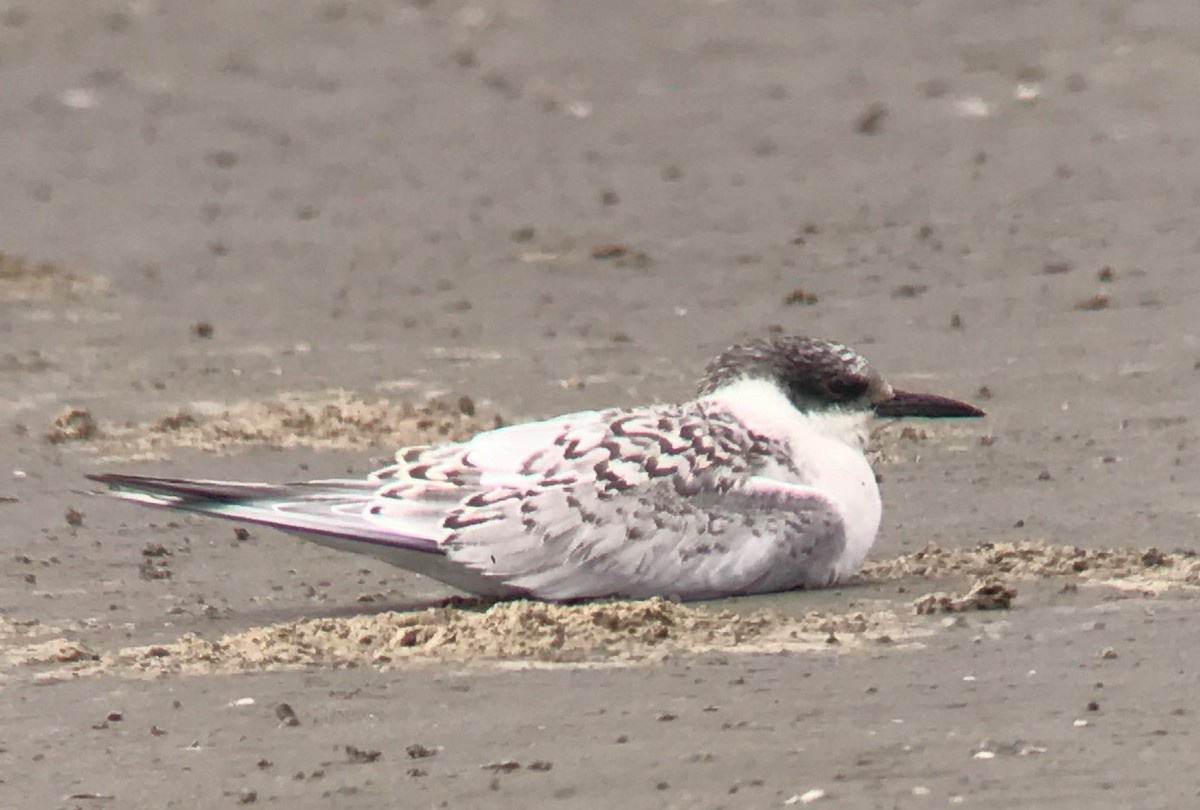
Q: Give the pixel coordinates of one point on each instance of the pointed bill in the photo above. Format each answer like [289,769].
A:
[906,403]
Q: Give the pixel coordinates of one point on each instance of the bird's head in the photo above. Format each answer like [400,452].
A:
[820,376]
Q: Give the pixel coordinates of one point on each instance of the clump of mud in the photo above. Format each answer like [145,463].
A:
[22,279]
[1031,559]
[326,421]
[986,594]
[72,425]
[525,632]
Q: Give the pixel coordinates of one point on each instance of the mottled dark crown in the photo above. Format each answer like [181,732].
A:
[814,373]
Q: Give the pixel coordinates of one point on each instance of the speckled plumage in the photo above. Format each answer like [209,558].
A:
[637,502]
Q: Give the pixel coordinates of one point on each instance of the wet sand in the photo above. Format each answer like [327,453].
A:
[277,240]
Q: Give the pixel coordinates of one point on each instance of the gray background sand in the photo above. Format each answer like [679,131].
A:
[403,198]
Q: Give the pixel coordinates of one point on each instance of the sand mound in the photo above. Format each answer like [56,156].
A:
[614,633]
[1030,559]
[891,441]
[527,632]
[31,642]
[327,420]
[24,280]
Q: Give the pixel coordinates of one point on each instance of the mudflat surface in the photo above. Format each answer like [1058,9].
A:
[254,240]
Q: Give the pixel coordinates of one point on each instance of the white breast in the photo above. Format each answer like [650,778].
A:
[842,473]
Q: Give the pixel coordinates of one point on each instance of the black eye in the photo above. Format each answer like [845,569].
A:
[846,387]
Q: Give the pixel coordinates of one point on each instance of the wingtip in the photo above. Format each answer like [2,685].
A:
[123,480]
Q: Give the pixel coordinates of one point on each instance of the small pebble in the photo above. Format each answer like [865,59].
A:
[807,797]
[503,766]
[287,715]
[1093,303]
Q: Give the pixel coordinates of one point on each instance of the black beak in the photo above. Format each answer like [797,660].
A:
[931,406]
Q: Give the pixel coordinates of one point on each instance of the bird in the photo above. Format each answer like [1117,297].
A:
[758,484]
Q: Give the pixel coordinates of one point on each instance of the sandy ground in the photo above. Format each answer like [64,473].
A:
[253,239]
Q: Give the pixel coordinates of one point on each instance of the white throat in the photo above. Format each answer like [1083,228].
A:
[763,407]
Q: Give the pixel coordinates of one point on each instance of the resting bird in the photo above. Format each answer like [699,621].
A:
[759,484]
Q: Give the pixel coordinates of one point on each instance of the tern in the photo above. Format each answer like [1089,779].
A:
[758,484]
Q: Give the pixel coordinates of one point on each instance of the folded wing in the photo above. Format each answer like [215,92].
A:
[678,500]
